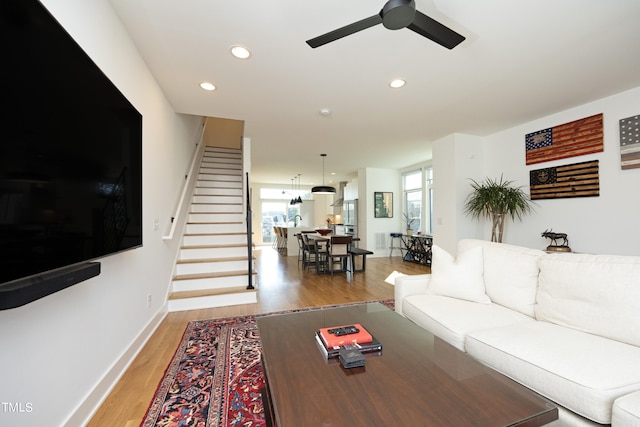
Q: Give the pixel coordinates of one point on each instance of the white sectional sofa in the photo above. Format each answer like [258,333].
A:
[565,325]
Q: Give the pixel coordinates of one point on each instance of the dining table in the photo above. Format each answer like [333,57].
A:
[317,238]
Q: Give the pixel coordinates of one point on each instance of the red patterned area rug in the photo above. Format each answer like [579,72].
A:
[215,376]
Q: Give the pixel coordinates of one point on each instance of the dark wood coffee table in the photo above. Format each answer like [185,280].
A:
[417,380]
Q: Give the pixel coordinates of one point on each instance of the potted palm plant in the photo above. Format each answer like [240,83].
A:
[496,200]
[409,220]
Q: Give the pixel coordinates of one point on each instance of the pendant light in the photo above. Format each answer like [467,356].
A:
[299,199]
[323,189]
[293,200]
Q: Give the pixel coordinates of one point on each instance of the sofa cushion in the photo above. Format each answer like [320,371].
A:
[458,278]
[451,318]
[599,294]
[626,411]
[510,273]
[582,372]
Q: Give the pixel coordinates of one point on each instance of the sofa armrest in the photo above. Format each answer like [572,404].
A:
[410,285]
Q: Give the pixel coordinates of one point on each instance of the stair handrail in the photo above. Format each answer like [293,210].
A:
[249,233]
[187,186]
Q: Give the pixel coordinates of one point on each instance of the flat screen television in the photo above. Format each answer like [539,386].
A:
[70,151]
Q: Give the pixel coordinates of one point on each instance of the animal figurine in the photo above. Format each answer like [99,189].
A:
[554,237]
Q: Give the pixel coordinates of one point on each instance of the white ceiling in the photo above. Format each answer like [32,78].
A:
[521,60]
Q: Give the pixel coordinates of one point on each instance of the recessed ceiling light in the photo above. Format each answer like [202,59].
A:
[240,52]
[207,86]
[396,83]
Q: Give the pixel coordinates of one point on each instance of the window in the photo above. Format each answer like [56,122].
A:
[412,184]
[277,211]
[418,200]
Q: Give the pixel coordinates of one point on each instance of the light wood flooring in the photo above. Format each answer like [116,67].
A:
[283,284]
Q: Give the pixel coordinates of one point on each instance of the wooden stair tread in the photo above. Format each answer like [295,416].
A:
[212,275]
[209,292]
[239,174]
[238,233]
[215,223]
[216,203]
[204,260]
[223,245]
[218,213]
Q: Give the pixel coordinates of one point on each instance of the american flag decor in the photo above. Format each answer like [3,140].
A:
[630,142]
[576,180]
[584,136]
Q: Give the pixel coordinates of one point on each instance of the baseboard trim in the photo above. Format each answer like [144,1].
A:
[88,407]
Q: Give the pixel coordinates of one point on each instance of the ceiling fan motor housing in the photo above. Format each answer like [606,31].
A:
[397,14]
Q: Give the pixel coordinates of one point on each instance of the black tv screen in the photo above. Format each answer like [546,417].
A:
[70,151]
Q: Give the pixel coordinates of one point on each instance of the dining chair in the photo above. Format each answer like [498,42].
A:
[339,252]
[310,254]
[281,233]
[301,249]
[321,255]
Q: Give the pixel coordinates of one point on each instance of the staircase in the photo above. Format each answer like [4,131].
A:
[212,267]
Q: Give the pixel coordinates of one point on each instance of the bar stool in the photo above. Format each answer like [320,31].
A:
[283,240]
[393,243]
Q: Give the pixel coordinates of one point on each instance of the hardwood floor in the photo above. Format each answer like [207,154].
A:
[282,284]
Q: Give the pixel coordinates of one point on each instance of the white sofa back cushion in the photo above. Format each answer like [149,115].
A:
[598,294]
[458,278]
[510,273]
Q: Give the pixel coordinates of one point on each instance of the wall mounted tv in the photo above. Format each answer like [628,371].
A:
[70,157]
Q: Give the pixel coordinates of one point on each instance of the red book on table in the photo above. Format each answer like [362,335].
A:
[332,340]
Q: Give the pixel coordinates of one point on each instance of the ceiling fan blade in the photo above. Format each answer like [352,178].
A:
[432,29]
[345,31]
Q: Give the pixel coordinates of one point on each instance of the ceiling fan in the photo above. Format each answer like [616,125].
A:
[397,14]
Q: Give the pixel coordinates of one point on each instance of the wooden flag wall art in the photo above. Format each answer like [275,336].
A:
[630,142]
[575,180]
[577,138]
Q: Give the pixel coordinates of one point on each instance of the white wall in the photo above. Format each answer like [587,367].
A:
[456,159]
[374,232]
[62,353]
[321,210]
[604,224]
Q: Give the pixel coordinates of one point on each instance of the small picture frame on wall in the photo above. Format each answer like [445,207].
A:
[383,204]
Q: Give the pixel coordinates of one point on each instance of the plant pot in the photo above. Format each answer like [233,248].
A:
[409,232]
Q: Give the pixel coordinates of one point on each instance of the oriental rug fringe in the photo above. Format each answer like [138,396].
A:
[215,376]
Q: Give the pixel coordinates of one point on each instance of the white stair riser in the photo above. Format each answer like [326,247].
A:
[220,184]
[211,267]
[221,157]
[212,301]
[214,239]
[215,217]
[221,151]
[221,171]
[221,163]
[215,228]
[209,253]
[210,177]
[217,199]
[208,191]
[211,283]
[225,208]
